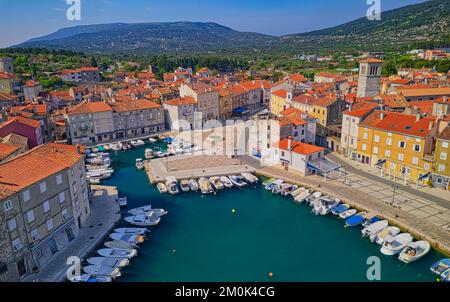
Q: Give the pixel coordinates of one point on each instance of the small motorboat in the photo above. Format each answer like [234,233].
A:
[226,182]
[193,185]
[249,177]
[140,164]
[356,219]
[172,185]
[109,262]
[325,206]
[117,253]
[375,228]
[104,271]
[205,186]
[131,238]
[389,231]
[441,266]
[237,181]
[152,140]
[147,210]
[370,220]
[314,196]
[131,231]
[140,142]
[272,185]
[148,153]
[414,251]
[288,190]
[184,184]
[216,183]
[144,220]
[348,213]
[268,181]
[340,209]
[162,188]
[445,276]
[119,244]
[134,143]
[298,192]
[123,202]
[95,181]
[394,245]
[89,278]
[302,196]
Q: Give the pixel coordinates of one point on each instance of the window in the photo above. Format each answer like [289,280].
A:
[365,136]
[30,216]
[49,224]
[443,156]
[389,141]
[426,166]
[12,224]
[35,235]
[26,195]
[401,156]
[375,150]
[7,205]
[65,214]
[62,197]
[46,206]
[401,144]
[416,148]
[444,144]
[17,244]
[364,147]
[376,139]
[387,153]
[415,161]
[59,179]
[43,187]
[392,166]
[441,168]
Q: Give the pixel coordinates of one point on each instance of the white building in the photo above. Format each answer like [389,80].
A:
[179,113]
[207,99]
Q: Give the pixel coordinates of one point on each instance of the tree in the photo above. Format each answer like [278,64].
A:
[94,62]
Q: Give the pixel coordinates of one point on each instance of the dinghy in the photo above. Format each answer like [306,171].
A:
[389,231]
[370,220]
[298,192]
[104,271]
[440,266]
[226,182]
[356,219]
[109,262]
[120,244]
[394,245]
[147,210]
[140,164]
[131,238]
[302,196]
[184,184]
[249,177]
[144,220]
[148,153]
[288,191]
[340,209]
[348,213]
[374,228]
[89,278]
[216,183]
[162,188]
[117,253]
[205,186]
[131,231]
[414,251]
[172,185]
[237,181]
[272,185]
[193,185]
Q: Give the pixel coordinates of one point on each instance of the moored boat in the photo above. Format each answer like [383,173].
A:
[123,202]
[140,164]
[145,220]
[193,185]
[184,184]
[226,182]
[414,251]
[286,191]
[120,244]
[117,253]
[205,186]
[237,181]
[249,177]
[389,231]
[109,262]
[340,209]
[268,181]
[172,185]
[270,186]
[370,220]
[148,153]
[162,188]
[216,183]
[131,238]
[356,219]
[348,213]
[394,245]
[90,278]
[131,231]
[440,266]
[374,228]
[302,196]
[298,192]
[103,271]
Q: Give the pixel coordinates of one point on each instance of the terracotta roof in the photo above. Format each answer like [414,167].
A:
[424,92]
[4,76]
[16,139]
[360,109]
[22,120]
[90,107]
[141,104]
[181,101]
[6,97]
[297,147]
[42,162]
[281,93]
[371,60]
[7,149]
[423,106]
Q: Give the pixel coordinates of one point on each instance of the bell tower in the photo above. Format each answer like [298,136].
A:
[369,82]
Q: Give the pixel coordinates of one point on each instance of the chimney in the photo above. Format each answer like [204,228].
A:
[289,143]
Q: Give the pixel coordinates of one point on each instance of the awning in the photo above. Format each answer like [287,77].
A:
[380,162]
[240,110]
[323,166]
[425,176]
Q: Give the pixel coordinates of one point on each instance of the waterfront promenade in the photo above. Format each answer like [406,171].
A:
[368,196]
[105,214]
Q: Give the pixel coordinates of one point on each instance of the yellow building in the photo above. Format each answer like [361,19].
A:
[441,168]
[327,110]
[280,101]
[400,144]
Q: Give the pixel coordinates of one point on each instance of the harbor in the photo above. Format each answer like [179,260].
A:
[249,233]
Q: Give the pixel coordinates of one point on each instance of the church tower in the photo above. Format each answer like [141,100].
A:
[369,77]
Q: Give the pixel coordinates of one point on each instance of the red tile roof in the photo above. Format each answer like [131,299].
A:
[297,147]
[281,93]
[90,107]
[141,104]
[23,120]
[7,149]
[181,101]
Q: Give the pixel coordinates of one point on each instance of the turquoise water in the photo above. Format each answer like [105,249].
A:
[267,234]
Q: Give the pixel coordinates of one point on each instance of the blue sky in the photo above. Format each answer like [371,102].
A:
[25,19]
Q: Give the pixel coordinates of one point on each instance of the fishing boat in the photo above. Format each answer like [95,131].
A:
[370,220]
[131,238]
[441,266]
[226,182]
[205,186]
[288,191]
[119,244]
[162,188]
[249,177]
[445,276]
[123,202]
[140,164]
[148,153]
[131,231]
[298,192]
[302,196]
[89,278]
[193,185]
[216,183]
[394,245]
[109,262]
[325,205]
[237,181]
[389,231]
[348,213]
[340,209]
[103,271]
[414,251]
[144,220]
[356,219]
[184,184]
[375,228]
[117,253]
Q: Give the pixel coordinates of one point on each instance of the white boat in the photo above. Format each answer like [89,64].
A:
[89,278]
[104,271]
[205,186]
[288,190]
[131,231]
[140,142]
[131,238]
[172,185]
[123,202]
[237,181]
[140,164]
[302,196]
[216,183]
[147,210]
[314,196]
[374,228]
[94,181]
[144,220]
[389,231]
[120,244]
[152,140]
[226,182]
[109,262]
[107,147]
[162,188]
[184,185]
[298,192]
[394,245]
[193,185]
[325,205]
[249,177]
[117,253]
[134,143]
[414,251]
[347,214]
[148,153]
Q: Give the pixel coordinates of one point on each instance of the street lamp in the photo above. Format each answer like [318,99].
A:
[395,188]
